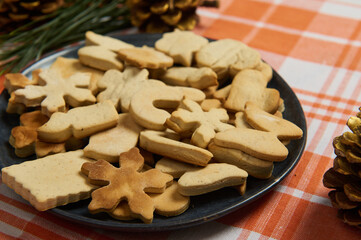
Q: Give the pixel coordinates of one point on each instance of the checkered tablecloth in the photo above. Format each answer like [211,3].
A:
[315,46]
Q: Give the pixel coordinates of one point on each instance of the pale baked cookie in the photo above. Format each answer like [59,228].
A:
[222,93]
[119,87]
[255,167]
[210,178]
[55,91]
[109,144]
[181,46]
[145,57]
[209,91]
[146,104]
[190,118]
[223,54]
[260,144]
[99,58]
[247,58]
[250,86]
[51,181]
[167,144]
[261,120]
[192,94]
[70,66]
[266,70]
[199,78]
[125,183]
[174,167]
[113,44]
[208,104]
[79,122]
[241,121]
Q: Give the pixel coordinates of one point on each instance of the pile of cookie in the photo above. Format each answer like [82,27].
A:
[157,112]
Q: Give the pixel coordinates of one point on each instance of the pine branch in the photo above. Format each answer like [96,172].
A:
[60,28]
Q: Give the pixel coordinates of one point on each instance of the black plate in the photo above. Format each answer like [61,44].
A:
[203,208]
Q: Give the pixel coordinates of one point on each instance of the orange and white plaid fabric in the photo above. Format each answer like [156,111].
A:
[315,46]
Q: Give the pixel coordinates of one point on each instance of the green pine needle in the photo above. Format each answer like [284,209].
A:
[64,26]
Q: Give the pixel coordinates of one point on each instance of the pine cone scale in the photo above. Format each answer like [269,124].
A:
[345,175]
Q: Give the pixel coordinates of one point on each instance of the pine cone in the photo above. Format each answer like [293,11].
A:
[163,15]
[15,13]
[345,175]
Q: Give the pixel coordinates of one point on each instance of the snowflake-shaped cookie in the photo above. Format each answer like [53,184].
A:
[54,92]
[125,183]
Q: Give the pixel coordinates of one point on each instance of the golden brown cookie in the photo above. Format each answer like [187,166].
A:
[125,183]
[23,137]
[25,140]
[14,81]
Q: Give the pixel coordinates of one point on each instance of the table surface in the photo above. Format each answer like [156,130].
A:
[316,47]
